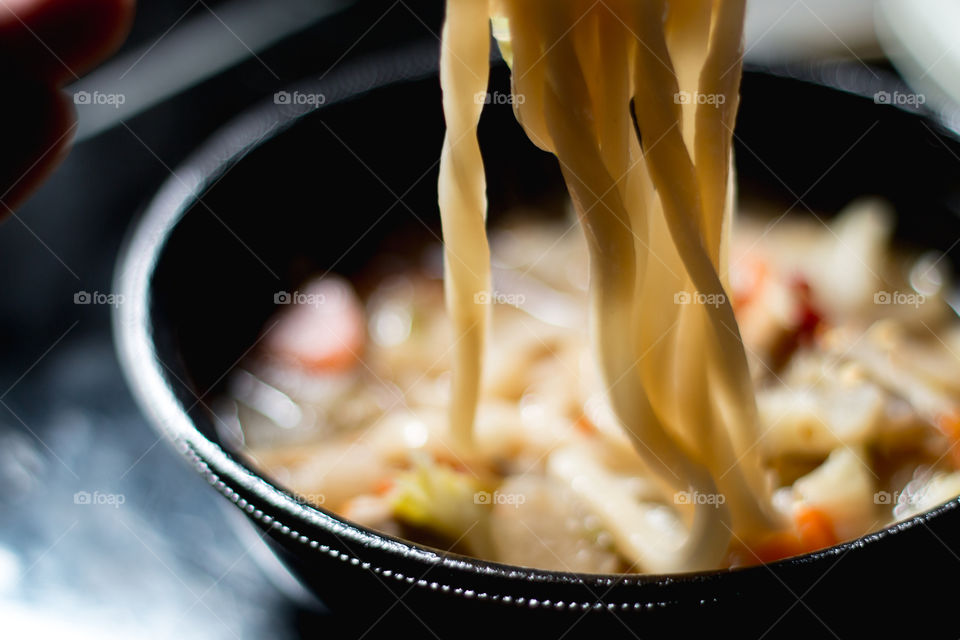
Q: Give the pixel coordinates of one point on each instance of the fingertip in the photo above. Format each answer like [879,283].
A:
[109,22]
[59,40]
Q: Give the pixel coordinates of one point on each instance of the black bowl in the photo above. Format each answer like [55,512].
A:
[290,189]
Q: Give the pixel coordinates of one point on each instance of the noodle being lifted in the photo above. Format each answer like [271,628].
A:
[650,176]
[579,394]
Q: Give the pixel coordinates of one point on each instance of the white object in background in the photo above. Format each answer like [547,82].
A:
[782,30]
[922,39]
[187,54]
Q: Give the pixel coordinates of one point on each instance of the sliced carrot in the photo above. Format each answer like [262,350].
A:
[383,486]
[775,546]
[585,426]
[321,329]
[812,530]
[749,281]
[949,424]
[816,529]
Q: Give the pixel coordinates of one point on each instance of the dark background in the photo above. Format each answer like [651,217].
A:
[158,564]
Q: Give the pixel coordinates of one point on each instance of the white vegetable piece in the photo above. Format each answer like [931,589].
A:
[938,489]
[816,421]
[539,522]
[843,488]
[650,535]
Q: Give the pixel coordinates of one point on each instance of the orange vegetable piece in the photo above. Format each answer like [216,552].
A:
[585,426]
[749,282]
[812,530]
[949,424]
[383,486]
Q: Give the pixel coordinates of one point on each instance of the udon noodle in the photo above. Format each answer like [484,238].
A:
[650,176]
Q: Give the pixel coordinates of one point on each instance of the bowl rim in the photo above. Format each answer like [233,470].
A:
[144,371]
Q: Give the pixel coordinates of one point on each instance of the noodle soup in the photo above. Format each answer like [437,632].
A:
[642,388]
[850,347]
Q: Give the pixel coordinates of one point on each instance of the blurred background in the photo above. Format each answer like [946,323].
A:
[103,530]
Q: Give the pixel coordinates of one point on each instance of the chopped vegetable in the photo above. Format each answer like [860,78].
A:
[857,389]
[452,503]
[322,329]
[949,424]
[842,488]
[812,530]
[539,522]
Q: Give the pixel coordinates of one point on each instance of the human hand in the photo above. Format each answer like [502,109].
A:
[45,44]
